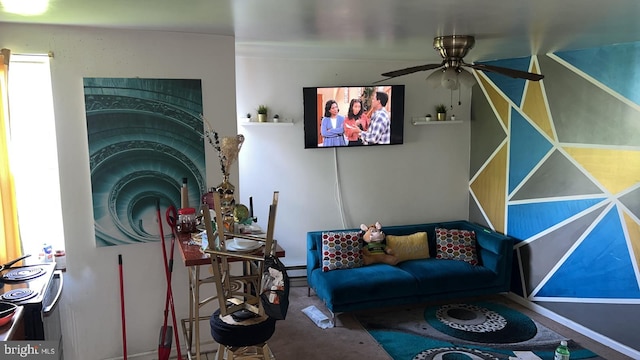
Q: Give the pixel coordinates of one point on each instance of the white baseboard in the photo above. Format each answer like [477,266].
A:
[152,355]
[148,355]
[575,326]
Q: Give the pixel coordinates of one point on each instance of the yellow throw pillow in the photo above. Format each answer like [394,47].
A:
[409,247]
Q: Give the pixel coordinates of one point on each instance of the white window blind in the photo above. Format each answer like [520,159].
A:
[33,153]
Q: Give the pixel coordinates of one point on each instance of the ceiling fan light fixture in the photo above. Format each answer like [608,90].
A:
[435,78]
[450,79]
[466,78]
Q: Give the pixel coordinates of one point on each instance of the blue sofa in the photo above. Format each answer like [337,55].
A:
[412,281]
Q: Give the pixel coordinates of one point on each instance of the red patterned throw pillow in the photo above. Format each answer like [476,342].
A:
[456,245]
[341,250]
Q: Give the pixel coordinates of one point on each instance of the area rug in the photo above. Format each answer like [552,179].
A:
[475,330]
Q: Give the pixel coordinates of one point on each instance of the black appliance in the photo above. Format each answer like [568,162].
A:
[38,289]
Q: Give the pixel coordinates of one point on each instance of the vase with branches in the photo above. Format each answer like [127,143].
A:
[227,148]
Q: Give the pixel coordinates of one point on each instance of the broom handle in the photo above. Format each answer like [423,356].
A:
[124,327]
[166,268]
[173,309]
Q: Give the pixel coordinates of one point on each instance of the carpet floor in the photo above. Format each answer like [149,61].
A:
[298,337]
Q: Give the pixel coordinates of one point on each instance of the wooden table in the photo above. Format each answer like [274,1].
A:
[193,258]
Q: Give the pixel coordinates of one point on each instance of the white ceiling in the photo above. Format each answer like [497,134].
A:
[370,29]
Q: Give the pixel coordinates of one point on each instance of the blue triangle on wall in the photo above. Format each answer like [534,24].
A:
[527,147]
[513,88]
[526,220]
[600,267]
[610,65]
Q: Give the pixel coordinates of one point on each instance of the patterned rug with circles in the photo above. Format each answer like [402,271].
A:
[458,331]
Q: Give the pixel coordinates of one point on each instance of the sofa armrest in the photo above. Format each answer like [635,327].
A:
[314,241]
[495,250]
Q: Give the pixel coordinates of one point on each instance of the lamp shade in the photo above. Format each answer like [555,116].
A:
[466,78]
[450,79]
[435,78]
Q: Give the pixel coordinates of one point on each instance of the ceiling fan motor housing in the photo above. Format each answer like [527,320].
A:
[453,48]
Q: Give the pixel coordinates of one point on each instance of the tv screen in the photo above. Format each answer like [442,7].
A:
[349,116]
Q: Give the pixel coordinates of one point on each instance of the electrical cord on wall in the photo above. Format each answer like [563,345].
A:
[338,188]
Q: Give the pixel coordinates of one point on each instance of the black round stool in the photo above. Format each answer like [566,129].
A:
[242,334]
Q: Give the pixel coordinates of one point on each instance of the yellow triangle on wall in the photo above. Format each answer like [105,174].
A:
[616,170]
[501,105]
[490,189]
[535,107]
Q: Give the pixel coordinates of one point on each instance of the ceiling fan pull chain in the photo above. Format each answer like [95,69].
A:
[459,102]
[451,99]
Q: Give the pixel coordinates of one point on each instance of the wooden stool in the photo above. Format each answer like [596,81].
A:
[240,326]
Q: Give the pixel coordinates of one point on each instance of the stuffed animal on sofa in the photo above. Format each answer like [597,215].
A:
[375,250]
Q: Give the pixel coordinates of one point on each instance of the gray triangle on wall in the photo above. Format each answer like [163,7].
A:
[538,257]
[557,176]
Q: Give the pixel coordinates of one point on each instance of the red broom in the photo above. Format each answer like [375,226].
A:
[164,346]
[172,216]
[124,328]
[166,332]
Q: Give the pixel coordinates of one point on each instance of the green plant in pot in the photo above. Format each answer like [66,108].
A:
[262,113]
[441,110]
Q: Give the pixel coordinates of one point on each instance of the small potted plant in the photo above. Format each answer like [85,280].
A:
[276,118]
[441,111]
[262,113]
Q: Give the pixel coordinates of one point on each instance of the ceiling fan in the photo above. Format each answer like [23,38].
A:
[453,49]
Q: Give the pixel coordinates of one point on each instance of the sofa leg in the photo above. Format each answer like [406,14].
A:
[308,291]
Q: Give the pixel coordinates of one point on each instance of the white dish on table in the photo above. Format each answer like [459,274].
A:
[242,245]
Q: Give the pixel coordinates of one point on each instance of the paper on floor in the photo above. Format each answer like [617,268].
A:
[524,355]
[317,317]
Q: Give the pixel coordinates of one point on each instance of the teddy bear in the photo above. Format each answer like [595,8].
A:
[375,250]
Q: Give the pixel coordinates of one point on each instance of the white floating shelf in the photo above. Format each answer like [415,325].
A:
[244,122]
[424,121]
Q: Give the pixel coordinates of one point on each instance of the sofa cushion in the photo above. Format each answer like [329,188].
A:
[456,244]
[364,284]
[409,247]
[436,276]
[341,250]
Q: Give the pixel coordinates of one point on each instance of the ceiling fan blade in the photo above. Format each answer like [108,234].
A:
[507,72]
[411,70]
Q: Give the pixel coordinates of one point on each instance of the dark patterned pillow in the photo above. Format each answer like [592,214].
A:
[341,250]
[456,245]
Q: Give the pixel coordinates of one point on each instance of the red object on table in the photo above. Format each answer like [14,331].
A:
[193,256]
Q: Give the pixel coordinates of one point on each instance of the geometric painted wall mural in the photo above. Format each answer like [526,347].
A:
[144,137]
[572,192]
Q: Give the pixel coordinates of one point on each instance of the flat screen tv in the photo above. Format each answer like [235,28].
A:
[353,116]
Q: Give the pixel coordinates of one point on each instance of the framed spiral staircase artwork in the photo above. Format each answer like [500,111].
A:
[144,137]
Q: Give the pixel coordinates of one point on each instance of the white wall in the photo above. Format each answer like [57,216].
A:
[90,307]
[423,180]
